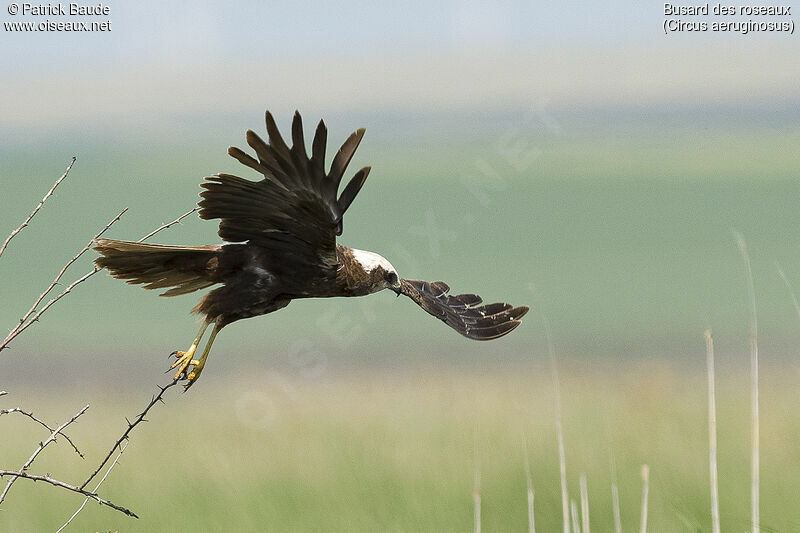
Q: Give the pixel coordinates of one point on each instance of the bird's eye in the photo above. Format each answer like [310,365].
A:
[391,277]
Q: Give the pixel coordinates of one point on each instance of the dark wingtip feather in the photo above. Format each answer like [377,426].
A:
[493,332]
[246,159]
[318,147]
[298,140]
[274,134]
[255,141]
[344,155]
[349,193]
[521,311]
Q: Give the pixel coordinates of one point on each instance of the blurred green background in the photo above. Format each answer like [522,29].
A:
[569,158]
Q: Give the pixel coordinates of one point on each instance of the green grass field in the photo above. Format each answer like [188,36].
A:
[396,452]
[368,415]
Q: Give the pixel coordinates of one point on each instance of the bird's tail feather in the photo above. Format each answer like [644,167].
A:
[183,268]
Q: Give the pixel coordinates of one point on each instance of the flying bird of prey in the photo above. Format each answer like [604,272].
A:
[280,244]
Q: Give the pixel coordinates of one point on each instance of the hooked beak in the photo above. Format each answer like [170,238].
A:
[397,290]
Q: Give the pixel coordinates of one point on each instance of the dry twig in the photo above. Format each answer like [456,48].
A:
[27,320]
[37,208]
[33,316]
[168,224]
[86,500]
[120,444]
[131,425]
[23,322]
[32,417]
[73,488]
[36,452]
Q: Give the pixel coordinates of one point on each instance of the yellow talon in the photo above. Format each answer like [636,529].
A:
[185,358]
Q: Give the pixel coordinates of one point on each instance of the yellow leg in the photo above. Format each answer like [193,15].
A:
[185,358]
[199,364]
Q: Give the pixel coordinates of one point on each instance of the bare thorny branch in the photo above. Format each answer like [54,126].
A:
[168,224]
[46,478]
[37,208]
[32,316]
[120,444]
[32,417]
[26,321]
[96,487]
[131,425]
[36,452]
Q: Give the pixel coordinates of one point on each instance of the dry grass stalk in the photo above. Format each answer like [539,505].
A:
[529,481]
[615,492]
[785,279]
[562,461]
[576,523]
[584,504]
[615,508]
[476,485]
[755,437]
[645,494]
[712,433]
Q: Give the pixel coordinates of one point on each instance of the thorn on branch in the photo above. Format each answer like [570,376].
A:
[168,224]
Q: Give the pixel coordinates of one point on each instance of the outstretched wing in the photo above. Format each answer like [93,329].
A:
[293,213]
[463,312]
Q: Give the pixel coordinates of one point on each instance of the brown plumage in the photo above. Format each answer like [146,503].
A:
[280,245]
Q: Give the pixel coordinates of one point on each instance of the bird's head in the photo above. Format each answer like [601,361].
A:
[381,273]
